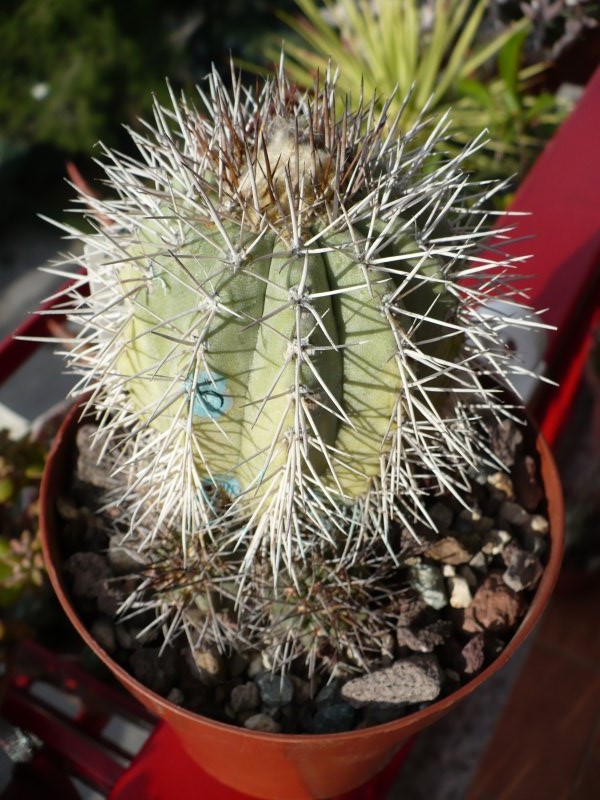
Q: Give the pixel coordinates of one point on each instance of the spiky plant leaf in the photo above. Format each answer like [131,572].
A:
[438,56]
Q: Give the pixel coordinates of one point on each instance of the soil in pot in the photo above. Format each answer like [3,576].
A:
[457,600]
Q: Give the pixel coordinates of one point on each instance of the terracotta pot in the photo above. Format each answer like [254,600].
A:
[276,766]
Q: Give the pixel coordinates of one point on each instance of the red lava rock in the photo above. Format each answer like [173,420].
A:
[473,654]
[423,640]
[410,606]
[495,607]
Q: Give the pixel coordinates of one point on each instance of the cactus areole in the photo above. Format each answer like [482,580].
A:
[283,346]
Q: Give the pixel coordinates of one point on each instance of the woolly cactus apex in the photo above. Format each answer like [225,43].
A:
[282,338]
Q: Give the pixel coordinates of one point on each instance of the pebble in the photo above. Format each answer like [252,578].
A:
[495,607]
[493,647]
[538,545]
[411,606]
[452,675]
[69,510]
[275,690]
[88,468]
[441,516]
[303,690]
[155,671]
[103,630]
[527,484]
[502,483]
[255,665]
[459,591]
[495,541]
[428,581]
[378,716]
[334,718]
[466,520]
[143,635]
[506,439]
[122,558]
[473,654]
[467,573]
[328,693]
[449,550]
[423,639]
[388,645]
[484,524]
[113,593]
[89,572]
[537,525]
[473,521]
[210,665]
[244,697]
[513,513]
[125,637]
[237,664]
[479,562]
[523,571]
[413,545]
[176,696]
[416,679]
[262,722]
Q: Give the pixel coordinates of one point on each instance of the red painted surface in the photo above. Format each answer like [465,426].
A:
[562,234]
[24,341]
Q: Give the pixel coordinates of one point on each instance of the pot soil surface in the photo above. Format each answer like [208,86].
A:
[462,594]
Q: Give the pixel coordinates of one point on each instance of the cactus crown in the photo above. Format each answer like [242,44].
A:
[284,348]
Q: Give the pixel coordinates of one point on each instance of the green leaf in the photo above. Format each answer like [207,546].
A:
[489,50]
[460,50]
[541,104]
[7,490]
[432,56]
[381,44]
[469,87]
[509,62]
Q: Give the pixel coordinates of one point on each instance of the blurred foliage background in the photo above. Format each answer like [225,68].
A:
[73,72]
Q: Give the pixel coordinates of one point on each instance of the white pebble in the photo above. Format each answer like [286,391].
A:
[538,525]
[460,594]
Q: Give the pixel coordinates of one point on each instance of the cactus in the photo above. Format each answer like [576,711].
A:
[284,349]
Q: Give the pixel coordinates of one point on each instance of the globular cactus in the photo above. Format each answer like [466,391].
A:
[285,351]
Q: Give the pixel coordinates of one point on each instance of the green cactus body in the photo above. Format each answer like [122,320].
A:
[298,330]
[186,360]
